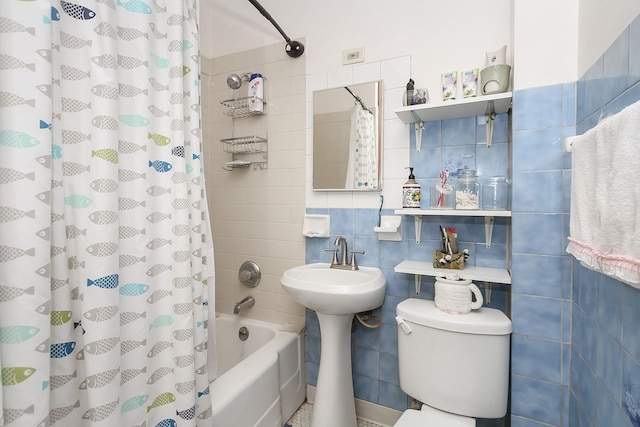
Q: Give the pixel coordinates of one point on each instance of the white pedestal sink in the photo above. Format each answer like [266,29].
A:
[335,295]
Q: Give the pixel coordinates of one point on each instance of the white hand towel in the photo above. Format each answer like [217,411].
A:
[605,197]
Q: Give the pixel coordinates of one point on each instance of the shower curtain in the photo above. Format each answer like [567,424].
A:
[105,252]
[362,166]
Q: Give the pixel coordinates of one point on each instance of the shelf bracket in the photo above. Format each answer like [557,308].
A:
[488,229]
[418,221]
[489,119]
[418,282]
[487,292]
[419,127]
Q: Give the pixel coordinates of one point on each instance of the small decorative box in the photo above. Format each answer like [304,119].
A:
[450,261]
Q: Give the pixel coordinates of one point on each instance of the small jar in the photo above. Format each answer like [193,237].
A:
[467,190]
[442,196]
[495,193]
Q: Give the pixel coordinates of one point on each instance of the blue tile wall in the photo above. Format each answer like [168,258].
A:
[575,346]
[574,363]
[605,385]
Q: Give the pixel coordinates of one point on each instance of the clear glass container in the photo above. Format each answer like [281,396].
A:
[442,197]
[467,190]
[495,193]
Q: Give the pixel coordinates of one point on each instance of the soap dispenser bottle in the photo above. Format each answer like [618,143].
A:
[407,98]
[411,192]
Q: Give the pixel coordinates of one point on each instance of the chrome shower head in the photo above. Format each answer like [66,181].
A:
[234,81]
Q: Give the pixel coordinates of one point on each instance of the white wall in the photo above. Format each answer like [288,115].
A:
[558,41]
[549,41]
[439,35]
[600,23]
[545,42]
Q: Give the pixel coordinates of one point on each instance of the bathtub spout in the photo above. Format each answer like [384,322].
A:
[247,302]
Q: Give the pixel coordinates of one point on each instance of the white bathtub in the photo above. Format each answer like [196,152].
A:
[261,381]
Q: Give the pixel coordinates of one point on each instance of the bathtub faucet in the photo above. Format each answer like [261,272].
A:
[247,302]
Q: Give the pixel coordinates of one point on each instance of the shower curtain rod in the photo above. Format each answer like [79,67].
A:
[357,98]
[293,48]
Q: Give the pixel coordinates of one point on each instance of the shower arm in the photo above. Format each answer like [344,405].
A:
[293,48]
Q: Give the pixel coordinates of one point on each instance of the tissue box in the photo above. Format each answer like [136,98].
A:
[452,261]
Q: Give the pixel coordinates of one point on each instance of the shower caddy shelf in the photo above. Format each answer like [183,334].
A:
[245,145]
[240,147]
[239,107]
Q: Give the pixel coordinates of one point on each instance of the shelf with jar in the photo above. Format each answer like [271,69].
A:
[467,198]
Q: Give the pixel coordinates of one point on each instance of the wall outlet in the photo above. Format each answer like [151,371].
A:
[353,56]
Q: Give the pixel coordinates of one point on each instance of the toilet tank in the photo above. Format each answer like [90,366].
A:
[457,363]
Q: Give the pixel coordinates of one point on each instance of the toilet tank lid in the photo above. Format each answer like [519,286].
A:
[485,321]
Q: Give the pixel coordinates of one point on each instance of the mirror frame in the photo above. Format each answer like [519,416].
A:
[332,110]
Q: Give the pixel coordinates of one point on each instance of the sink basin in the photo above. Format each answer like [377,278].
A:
[335,291]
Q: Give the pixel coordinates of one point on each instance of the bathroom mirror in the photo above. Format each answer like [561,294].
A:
[347,138]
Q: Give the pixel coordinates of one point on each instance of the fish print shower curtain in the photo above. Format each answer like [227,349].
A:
[362,169]
[105,252]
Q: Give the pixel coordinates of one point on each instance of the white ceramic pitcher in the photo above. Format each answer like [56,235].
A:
[454,295]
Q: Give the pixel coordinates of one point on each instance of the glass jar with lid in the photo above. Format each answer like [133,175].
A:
[467,190]
[495,193]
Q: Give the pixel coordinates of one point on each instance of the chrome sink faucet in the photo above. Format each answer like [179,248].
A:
[245,303]
[343,247]
[342,263]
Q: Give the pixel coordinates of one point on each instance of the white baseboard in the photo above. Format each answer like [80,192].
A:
[378,414]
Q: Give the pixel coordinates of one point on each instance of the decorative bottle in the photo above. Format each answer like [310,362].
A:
[411,192]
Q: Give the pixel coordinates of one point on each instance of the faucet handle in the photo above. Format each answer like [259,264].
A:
[334,260]
[353,263]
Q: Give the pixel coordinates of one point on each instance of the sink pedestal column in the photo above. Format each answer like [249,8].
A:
[334,404]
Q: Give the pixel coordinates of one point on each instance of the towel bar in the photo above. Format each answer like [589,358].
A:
[568,144]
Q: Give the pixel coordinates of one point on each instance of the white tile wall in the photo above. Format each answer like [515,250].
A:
[257,214]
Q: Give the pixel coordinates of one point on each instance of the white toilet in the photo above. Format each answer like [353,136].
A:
[456,365]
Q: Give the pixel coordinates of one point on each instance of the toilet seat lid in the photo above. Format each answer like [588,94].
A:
[430,417]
